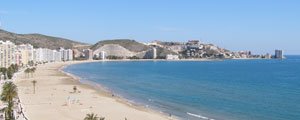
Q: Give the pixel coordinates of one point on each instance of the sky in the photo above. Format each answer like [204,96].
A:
[257,25]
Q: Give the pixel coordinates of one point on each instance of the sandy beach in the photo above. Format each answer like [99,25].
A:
[54,98]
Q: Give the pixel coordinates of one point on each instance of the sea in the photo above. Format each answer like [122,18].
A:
[260,89]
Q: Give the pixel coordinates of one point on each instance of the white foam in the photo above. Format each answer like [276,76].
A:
[199,116]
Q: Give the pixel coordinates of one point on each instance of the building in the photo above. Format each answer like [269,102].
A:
[193,42]
[63,54]
[176,48]
[88,54]
[24,57]
[268,56]
[172,57]
[42,55]
[57,56]
[48,55]
[70,54]
[66,54]
[244,54]
[26,51]
[18,56]
[154,53]
[7,53]
[102,55]
[38,55]
[278,54]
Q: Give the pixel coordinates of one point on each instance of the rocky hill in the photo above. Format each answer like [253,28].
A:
[121,48]
[114,50]
[130,45]
[128,48]
[39,40]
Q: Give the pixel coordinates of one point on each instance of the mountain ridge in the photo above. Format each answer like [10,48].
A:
[40,40]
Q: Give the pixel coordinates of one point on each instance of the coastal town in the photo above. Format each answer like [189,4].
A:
[26,54]
[24,57]
[149,60]
[195,49]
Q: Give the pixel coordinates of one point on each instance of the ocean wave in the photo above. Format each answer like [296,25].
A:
[199,116]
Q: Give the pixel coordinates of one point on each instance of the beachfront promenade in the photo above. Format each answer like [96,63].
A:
[18,109]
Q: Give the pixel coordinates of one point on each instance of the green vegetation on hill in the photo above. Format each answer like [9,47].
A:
[39,40]
[131,45]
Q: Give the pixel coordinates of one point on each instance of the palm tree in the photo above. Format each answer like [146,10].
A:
[31,63]
[34,82]
[3,70]
[27,71]
[93,116]
[32,71]
[9,92]
[11,70]
[10,73]
[16,67]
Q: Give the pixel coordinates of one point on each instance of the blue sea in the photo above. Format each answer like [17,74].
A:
[220,90]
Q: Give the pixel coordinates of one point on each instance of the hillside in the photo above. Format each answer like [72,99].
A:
[162,52]
[128,48]
[39,40]
[131,45]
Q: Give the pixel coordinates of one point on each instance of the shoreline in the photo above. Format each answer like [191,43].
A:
[128,102]
[65,79]
[166,60]
[135,112]
[109,93]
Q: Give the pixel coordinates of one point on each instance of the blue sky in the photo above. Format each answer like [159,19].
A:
[257,25]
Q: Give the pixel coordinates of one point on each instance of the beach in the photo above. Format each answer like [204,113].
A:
[55,99]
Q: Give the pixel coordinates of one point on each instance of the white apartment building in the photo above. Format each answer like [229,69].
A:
[38,55]
[57,56]
[43,55]
[26,52]
[48,55]
[7,53]
[70,54]
[102,55]
[67,54]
